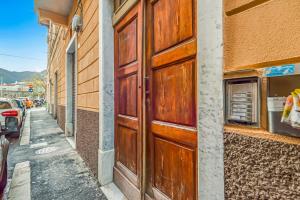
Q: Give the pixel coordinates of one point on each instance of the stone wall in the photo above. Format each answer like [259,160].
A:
[260,169]
[87,137]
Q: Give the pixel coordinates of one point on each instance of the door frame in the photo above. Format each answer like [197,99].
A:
[71,49]
[126,6]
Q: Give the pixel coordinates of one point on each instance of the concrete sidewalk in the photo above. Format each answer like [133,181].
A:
[56,170]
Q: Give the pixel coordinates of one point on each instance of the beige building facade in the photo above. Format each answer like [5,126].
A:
[84,74]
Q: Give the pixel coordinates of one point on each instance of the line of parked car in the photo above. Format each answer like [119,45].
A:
[13,111]
[12,115]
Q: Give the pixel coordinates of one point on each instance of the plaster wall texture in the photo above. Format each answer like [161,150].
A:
[260,33]
[260,169]
[87,58]
[210,100]
[56,63]
[238,5]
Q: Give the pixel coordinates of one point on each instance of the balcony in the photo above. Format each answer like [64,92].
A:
[55,11]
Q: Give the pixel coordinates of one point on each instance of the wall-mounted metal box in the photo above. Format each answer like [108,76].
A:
[242,101]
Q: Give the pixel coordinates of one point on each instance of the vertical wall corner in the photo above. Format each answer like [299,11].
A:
[210,100]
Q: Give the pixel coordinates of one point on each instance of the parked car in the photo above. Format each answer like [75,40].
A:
[11,116]
[42,100]
[4,146]
[37,103]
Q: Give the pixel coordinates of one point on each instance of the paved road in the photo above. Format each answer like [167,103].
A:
[57,171]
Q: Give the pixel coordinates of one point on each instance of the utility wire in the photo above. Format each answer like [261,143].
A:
[22,57]
[5,68]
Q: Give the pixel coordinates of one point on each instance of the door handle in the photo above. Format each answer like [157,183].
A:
[147,90]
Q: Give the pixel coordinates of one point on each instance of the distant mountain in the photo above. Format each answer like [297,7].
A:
[11,76]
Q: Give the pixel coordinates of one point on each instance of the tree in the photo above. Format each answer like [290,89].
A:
[39,86]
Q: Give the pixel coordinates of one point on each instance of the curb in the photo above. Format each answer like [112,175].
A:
[20,183]
[25,137]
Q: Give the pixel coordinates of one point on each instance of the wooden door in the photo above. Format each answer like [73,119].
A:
[171,99]
[128,103]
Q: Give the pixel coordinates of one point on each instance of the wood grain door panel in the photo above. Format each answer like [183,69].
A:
[174,93]
[170,25]
[127,152]
[128,43]
[173,167]
[171,99]
[128,103]
[128,95]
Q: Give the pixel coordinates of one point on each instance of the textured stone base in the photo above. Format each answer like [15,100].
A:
[87,138]
[61,116]
[260,169]
[112,192]
[105,166]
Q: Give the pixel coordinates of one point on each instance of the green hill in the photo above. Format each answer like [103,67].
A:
[11,76]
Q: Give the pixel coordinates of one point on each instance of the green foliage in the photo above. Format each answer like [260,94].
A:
[39,85]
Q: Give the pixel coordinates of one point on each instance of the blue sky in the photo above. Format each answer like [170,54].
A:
[21,36]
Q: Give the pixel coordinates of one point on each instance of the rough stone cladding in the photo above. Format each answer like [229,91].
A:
[260,169]
[87,142]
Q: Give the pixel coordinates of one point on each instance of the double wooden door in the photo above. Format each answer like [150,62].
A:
[155,101]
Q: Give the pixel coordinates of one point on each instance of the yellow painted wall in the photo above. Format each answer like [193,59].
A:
[260,33]
[56,60]
[87,58]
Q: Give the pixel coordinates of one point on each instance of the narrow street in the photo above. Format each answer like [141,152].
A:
[57,171]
